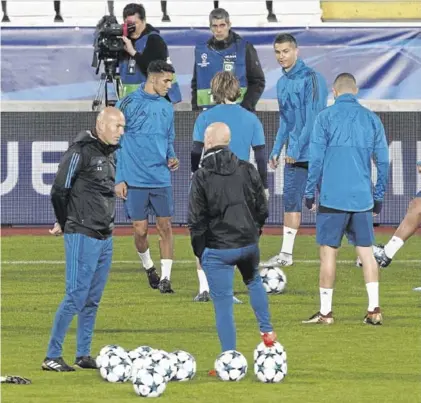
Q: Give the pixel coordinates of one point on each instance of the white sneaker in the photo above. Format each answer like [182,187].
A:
[417,289]
[283,259]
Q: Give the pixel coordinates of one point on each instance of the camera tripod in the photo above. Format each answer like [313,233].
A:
[108,77]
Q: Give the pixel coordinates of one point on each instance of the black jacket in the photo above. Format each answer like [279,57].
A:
[83,194]
[227,203]
[254,73]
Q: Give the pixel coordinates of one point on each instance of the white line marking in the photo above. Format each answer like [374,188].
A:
[53,262]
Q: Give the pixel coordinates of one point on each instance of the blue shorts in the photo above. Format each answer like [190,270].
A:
[295,180]
[142,202]
[358,227]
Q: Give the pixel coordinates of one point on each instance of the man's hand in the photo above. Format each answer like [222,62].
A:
[274,162]
[56,231]
[310,204]
[128,46]
[267,194]
[290,160]
[121,190]
[173,163]
[377,207]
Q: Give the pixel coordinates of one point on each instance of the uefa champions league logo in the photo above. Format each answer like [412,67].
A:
[204,62]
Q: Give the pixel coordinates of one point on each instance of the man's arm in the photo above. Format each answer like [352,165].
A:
[259,148]
[194,89]
[68,170]
[255,79]
[197,215]
[171,137]
[281,138]
[261,211]
[318,145]
[198,142]
[155,49]
[381,159]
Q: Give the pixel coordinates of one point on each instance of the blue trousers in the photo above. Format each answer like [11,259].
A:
[219,265]
[88,262]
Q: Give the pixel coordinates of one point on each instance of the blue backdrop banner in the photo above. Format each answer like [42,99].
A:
[55,63]
[32,144]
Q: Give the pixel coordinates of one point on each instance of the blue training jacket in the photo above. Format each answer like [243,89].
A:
[246,128]
[148,140]
[302,94]
[345,138]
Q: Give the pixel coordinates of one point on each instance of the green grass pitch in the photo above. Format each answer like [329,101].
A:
[346,362]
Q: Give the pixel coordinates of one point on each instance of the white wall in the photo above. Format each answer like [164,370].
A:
[183,13]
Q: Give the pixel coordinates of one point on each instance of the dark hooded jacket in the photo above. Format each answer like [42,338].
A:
[83,194]
[227,203]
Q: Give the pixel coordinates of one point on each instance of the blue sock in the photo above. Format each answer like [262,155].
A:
[224,312]
[260,304]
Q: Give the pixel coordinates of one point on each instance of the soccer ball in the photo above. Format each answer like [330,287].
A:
[109,348]
[140,363]
[377,251]
[231,366]
[166,362]
[185,365]
[274,279]
[149,383]
[144,350]
[115,367]
[270,363]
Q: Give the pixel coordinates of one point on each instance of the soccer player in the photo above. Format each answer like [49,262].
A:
[302,94]
[227,210]
[144,165]
[246,134]
[407,228]
[346,137]
[83,199]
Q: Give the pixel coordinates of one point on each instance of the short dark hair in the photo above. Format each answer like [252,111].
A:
[345,77]
[282,38]
[219,14]
[160,66]
[132,9]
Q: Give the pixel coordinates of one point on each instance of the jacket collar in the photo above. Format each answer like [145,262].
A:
[299,65]
[346,98]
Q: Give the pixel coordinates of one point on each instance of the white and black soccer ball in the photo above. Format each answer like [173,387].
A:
[166,362]
[377,251]
[144,350]
[185,364]
[274,279]
[139,363]
[109,348]
[270,363]
[231,365]
[149,383]
[115,367]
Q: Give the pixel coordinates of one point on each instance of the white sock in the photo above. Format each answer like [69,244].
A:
[166,266]
[146,259]
[326,300]
[393,246]
[203,281]
[373,295]
[288,240]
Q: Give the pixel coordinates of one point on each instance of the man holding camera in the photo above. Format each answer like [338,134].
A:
[226,51]
[143,46]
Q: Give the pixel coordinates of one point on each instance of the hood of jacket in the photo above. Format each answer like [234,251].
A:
[90,136]
[220,160]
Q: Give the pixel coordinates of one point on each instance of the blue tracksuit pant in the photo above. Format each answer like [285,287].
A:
[219,265]
[88,261]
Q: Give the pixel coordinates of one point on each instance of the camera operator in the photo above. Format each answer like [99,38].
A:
[144,45]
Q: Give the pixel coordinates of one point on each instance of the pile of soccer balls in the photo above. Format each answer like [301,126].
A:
[270,364]
[148,369]
[274,279]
